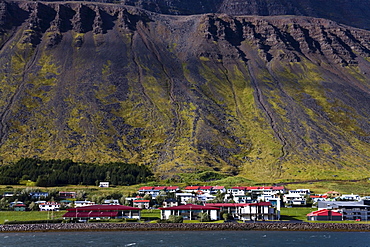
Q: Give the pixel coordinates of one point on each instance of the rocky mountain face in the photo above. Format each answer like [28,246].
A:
[351,12]
[264,97]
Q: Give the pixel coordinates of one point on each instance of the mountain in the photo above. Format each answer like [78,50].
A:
[351,12]
[265,97]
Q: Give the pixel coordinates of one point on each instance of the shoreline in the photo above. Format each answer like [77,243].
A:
[60,227]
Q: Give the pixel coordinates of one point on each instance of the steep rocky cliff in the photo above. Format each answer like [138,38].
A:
[265,97]
[351,12]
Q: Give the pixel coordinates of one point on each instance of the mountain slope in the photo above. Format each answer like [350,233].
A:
[265,97]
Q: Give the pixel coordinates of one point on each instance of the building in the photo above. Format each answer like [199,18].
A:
[266,190]
[141,203]
[39,195]
[83,203]
[19,207]
[190,211]
[351,210]
[257,211]
[350,197]
[190,189]
[185,198]
[111,202]
[170,202]
[237,191]
[220,189]
[49,206]
[104,184]
[67,194]
[333,194]
[102,212]
[206,189]
[325,214]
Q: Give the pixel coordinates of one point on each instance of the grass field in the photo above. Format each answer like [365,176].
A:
[29,215]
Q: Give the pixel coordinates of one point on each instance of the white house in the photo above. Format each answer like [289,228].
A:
[190,211]
[49,206]
[104,184]
[185,198]
[83,203]
[257,211]
[236,191]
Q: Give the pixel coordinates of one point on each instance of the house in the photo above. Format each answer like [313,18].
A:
[351,210]
[351,197]
[230,208]
[257,211]
[141,203]
[39,195]
[49,206]
[102,212]
[318,198]
[67,194]
[172,189]
[296,197]
[83,203]
[190,211]
[206,189]
[241,198]
[300,192]
[170,202]
[190,189]
[8,194]
[145,190]
[111,202]
[248,211]
[205,197]
[104,184]
[294,200]
[266,190]
[19,207]
[333,194]
[325,214]
[156,191]
[218,189]
[237,191]
[185,198]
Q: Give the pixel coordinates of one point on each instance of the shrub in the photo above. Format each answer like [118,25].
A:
[175,219]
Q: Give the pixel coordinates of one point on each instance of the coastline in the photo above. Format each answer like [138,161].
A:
[185,227]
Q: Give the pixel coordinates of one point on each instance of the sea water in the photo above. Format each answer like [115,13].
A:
[185,238]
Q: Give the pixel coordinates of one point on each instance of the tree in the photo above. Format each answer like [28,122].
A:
[33,206]
[204,217]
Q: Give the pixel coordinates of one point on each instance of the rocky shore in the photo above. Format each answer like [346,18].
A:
[276,226]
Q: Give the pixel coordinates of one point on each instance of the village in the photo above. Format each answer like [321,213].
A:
[202,203]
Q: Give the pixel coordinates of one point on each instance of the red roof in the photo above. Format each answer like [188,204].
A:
[238,204]
[90,214]
[142,201]
[173,188]
[219,187]
[319,196]
[146,188]
[238,188]
[324,212]
[103,208]
[160,188]
[265,188]
[191,188]
[205,187]
[190,207]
